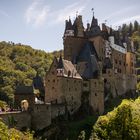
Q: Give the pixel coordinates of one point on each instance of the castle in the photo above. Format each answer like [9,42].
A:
[98,64]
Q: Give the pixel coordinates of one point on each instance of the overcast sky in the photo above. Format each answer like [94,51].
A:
[40,23]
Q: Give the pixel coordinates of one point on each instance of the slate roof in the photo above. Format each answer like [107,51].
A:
[69,68]
[20,90]
[68,25]
[89,55]
[38,82]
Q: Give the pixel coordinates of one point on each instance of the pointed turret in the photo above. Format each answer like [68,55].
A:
[111,32]
[60,63]
[68,28]
[105,31]
[87,30]
[78,27]
[94,22]
[94,29]
[60,67]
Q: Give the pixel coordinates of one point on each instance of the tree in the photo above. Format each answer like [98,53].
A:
[13,134]
[123,123]
[136,25]
[130,29]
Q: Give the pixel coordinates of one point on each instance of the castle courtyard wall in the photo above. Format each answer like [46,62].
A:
[19,119]
[41,116]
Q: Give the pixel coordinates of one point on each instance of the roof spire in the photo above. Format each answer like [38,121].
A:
[105,21]
[76,13]
[92,11]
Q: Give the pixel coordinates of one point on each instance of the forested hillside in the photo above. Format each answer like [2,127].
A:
[19,64]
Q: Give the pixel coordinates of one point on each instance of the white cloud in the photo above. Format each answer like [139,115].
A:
[127,20]
[120,12]
[36,13]
[68,11]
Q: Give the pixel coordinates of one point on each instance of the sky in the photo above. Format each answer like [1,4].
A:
[41,23]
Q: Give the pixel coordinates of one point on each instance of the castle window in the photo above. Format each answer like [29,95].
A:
[116,61]
[95,84]
[69,89]
[69,73]
[85,85]
[61,71]
[120,62]
[120,70]
[71,97]
[54,80]
[105,80]
[124,63]
[95,94]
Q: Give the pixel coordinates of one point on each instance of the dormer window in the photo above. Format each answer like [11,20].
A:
[60,72]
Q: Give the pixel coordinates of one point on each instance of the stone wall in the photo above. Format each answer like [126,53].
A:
[72,91]
[57,110]
[52,84]
[99,45]
[41,116]
[96,97]
[130,63]
[19,120]
[118,61]
[72,46]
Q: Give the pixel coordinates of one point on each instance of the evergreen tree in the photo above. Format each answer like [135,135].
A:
[130,29]
[136,25]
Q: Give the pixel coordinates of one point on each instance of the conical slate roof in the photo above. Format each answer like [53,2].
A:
[89,55]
